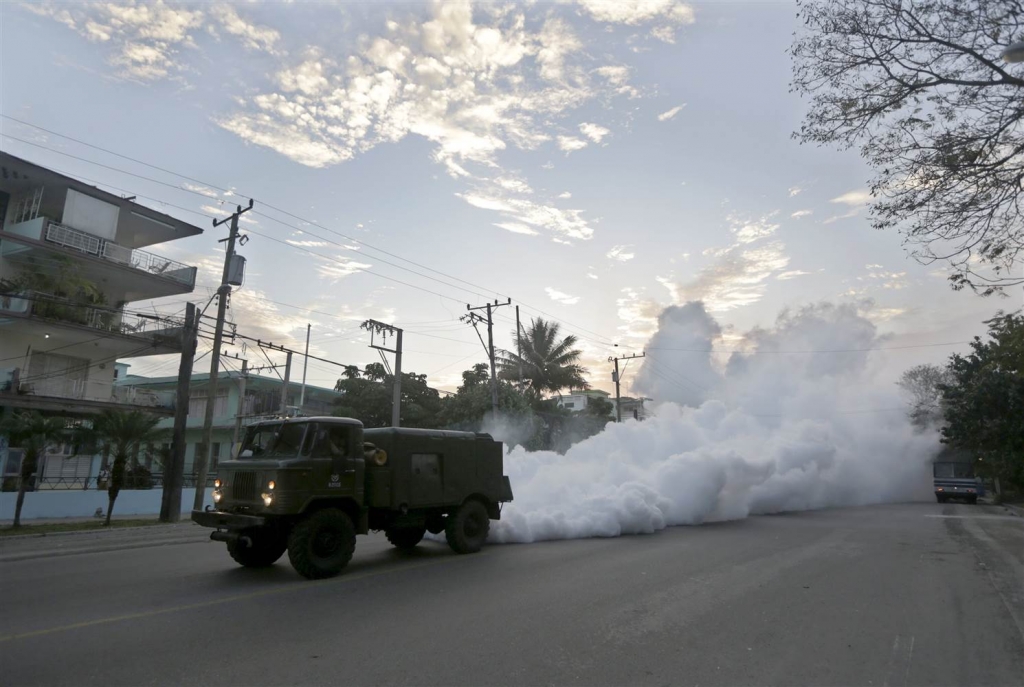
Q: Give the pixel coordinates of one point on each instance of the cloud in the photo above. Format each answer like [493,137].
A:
[204,190]
[749,230]
[737,278]
[560,297]
[853,198]
[145,40]
[252,37]
[516,228]
[309,244]
[792,274]
[570,143]
[591,275]
[635,12]
[794,190]
[639,314]
[339,267]
[620,253]
[565,195]
[801,213]
[884,278]
[670,114]
[523,210]
[594,132]
[846,215]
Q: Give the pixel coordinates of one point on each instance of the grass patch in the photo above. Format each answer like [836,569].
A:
[89,526]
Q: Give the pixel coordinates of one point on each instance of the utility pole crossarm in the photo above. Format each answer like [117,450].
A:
[383,329]
[616,378]
[473,318]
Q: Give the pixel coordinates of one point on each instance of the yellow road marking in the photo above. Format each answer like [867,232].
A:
[217,602]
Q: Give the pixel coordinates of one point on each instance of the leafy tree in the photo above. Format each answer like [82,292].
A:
[35,434]
[984,400]
[921,384]
[549,363]
[599,407]
[920,88]
[123,434]
[368,398]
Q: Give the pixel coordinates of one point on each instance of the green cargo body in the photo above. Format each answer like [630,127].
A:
[309,485]
[434,469]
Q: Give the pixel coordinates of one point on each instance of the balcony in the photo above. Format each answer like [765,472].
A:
[129,331]
[182,277]
[78,396]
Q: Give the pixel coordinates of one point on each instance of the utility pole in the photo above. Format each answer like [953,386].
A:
[203,461]
[284,387]
[490,307]
[170,499]
[519,348]
[382,329]
[305,363]
[616,379]
[236,437]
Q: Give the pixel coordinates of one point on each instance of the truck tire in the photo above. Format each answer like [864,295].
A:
[266,548]
[321,545]
[405,537]
[466,530]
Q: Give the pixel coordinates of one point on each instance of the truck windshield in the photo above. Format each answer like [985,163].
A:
[274,440]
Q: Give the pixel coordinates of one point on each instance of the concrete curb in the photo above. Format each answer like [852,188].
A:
[73,533]
[1013,510]
[57,553]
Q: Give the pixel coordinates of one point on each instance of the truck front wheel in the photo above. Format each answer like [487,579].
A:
[466,530]
[265,547]
[405,537]
[321,545]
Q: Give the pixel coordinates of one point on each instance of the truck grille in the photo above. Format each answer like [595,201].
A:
[243,487]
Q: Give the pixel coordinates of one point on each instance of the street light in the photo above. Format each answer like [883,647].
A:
[1014,52]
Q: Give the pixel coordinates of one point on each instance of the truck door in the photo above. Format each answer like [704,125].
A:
[427,484]
[342,473]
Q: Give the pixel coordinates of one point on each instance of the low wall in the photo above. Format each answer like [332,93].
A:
[78,503]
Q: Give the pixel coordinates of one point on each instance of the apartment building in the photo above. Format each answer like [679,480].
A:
[72,261]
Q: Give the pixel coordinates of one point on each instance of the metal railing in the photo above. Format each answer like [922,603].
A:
[84,389]
[108,250]
[66,310]
[131,482]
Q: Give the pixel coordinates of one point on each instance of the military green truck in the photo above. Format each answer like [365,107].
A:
[309,485]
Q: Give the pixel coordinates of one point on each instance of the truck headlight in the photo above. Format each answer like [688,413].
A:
[268,499]
[217,484]
[271,485]
[217,495]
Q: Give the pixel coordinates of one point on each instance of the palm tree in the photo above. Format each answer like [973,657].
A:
[548,363]
[123,434]
[35,433]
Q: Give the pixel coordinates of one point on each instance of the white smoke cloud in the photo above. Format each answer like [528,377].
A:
[777,428]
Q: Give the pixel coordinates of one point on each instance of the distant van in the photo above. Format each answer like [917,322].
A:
[956,481]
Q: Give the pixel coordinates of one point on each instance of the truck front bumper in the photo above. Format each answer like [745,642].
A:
[226,521]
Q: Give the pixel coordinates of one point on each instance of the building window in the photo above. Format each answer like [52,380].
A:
[197,403]
[569,404]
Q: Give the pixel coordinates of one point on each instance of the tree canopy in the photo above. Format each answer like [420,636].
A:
[984,399]
[921,89]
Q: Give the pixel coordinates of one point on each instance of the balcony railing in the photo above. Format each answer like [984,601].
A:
[108,250]
[14,380]
[66,310]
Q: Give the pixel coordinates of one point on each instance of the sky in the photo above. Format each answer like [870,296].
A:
[593,161]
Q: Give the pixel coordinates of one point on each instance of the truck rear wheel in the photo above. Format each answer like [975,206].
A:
[321,545]
[265,548]
[405,537]
[466,530]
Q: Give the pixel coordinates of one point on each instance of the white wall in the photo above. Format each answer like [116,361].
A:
[79,503]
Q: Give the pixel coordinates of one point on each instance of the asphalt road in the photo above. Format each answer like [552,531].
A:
[893,595]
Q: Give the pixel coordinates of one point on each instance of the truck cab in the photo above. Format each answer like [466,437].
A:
[310,485]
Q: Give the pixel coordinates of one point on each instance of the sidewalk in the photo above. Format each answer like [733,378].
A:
[25,547]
